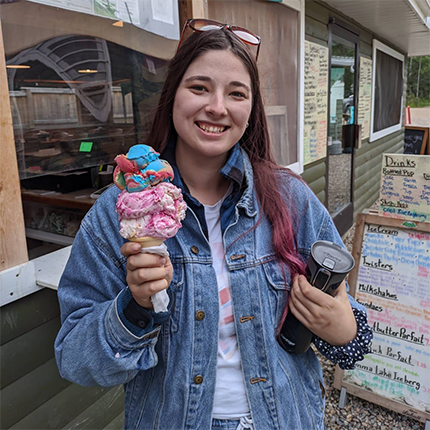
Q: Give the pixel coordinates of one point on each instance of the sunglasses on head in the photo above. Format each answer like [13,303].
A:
[201,25]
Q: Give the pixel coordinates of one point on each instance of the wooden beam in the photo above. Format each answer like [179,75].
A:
[13,246]
[189,9]
[200,9]
[185,11]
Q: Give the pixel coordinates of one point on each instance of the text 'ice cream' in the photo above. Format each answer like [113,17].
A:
[150,208]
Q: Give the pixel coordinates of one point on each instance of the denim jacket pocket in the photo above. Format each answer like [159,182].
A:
[278,281]
[176,286]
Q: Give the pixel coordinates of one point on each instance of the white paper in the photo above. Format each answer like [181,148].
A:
[160,301]
[128,11]
[162,10]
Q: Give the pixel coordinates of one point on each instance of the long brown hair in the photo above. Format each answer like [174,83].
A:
[255,141]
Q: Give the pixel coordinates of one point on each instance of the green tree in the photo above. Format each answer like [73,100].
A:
[418,86]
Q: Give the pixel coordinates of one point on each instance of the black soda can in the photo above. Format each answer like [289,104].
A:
[327,267]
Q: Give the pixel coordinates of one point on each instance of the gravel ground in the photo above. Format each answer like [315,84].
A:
[358,414]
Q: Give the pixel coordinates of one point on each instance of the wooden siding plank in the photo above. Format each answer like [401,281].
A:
[28,393]
[365,192]
[314,176]
[101,412]
[370,164]
[61,409]
[27,352]
[375,157]
[317,11]
[314,171]
[321,196]
[318,185]
[368,176]
[316,29]
[387,144]
[117,423]
[366,203]
[366,49]
[26,314]
[367,200]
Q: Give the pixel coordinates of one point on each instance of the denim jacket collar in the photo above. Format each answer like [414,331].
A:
[237,169]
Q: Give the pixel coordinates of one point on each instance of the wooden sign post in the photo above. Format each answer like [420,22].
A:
[391,279]
[416,140]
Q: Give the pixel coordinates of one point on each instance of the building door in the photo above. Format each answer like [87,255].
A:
[342,120]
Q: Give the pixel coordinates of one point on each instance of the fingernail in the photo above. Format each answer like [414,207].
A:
[162,261]
[136,247]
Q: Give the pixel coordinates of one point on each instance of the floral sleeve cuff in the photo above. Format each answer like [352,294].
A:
[347,355]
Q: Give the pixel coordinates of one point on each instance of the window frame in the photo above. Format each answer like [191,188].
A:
[377,45]
[299,6]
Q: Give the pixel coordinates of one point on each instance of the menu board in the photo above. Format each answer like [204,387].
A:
[365,96]
[315,102]
[405,187]
[392,281]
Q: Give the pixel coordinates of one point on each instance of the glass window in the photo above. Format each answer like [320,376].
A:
[80,93]
[387,91]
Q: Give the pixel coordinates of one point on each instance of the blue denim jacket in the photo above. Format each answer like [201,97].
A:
[169,367]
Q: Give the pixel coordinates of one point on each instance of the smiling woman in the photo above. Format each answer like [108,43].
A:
[210,113]
[241,251]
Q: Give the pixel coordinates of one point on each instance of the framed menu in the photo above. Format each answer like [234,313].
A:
[365,96]
[405,187]
[391,280]
[315,102]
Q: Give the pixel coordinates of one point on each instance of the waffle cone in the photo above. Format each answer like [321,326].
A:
[146,241]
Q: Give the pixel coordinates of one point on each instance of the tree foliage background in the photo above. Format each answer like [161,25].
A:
[418,89]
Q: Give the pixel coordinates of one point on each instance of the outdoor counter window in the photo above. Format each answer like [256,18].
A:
[81,91]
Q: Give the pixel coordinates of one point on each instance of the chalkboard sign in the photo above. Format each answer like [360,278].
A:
[391,279]
[415,140]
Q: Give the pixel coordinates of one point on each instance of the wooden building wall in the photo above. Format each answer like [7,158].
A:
[33,394]
[368,158]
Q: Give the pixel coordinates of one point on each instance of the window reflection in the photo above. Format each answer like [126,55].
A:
[341,127]
[77,101]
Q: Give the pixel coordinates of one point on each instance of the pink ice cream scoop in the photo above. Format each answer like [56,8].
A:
[150,209]
[155,212]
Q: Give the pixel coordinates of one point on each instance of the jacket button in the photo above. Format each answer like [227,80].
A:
[194,250]
[200,315]
[198,379]
[141,324]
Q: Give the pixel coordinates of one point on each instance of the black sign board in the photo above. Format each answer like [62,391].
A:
[416,139]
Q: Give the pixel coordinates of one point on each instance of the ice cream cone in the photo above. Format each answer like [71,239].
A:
[147,242]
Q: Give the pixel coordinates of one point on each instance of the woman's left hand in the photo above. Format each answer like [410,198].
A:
[329,317]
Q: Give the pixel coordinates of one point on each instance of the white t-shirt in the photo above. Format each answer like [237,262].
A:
[230,397]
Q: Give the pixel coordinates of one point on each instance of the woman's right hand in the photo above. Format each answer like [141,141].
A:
[146,273]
